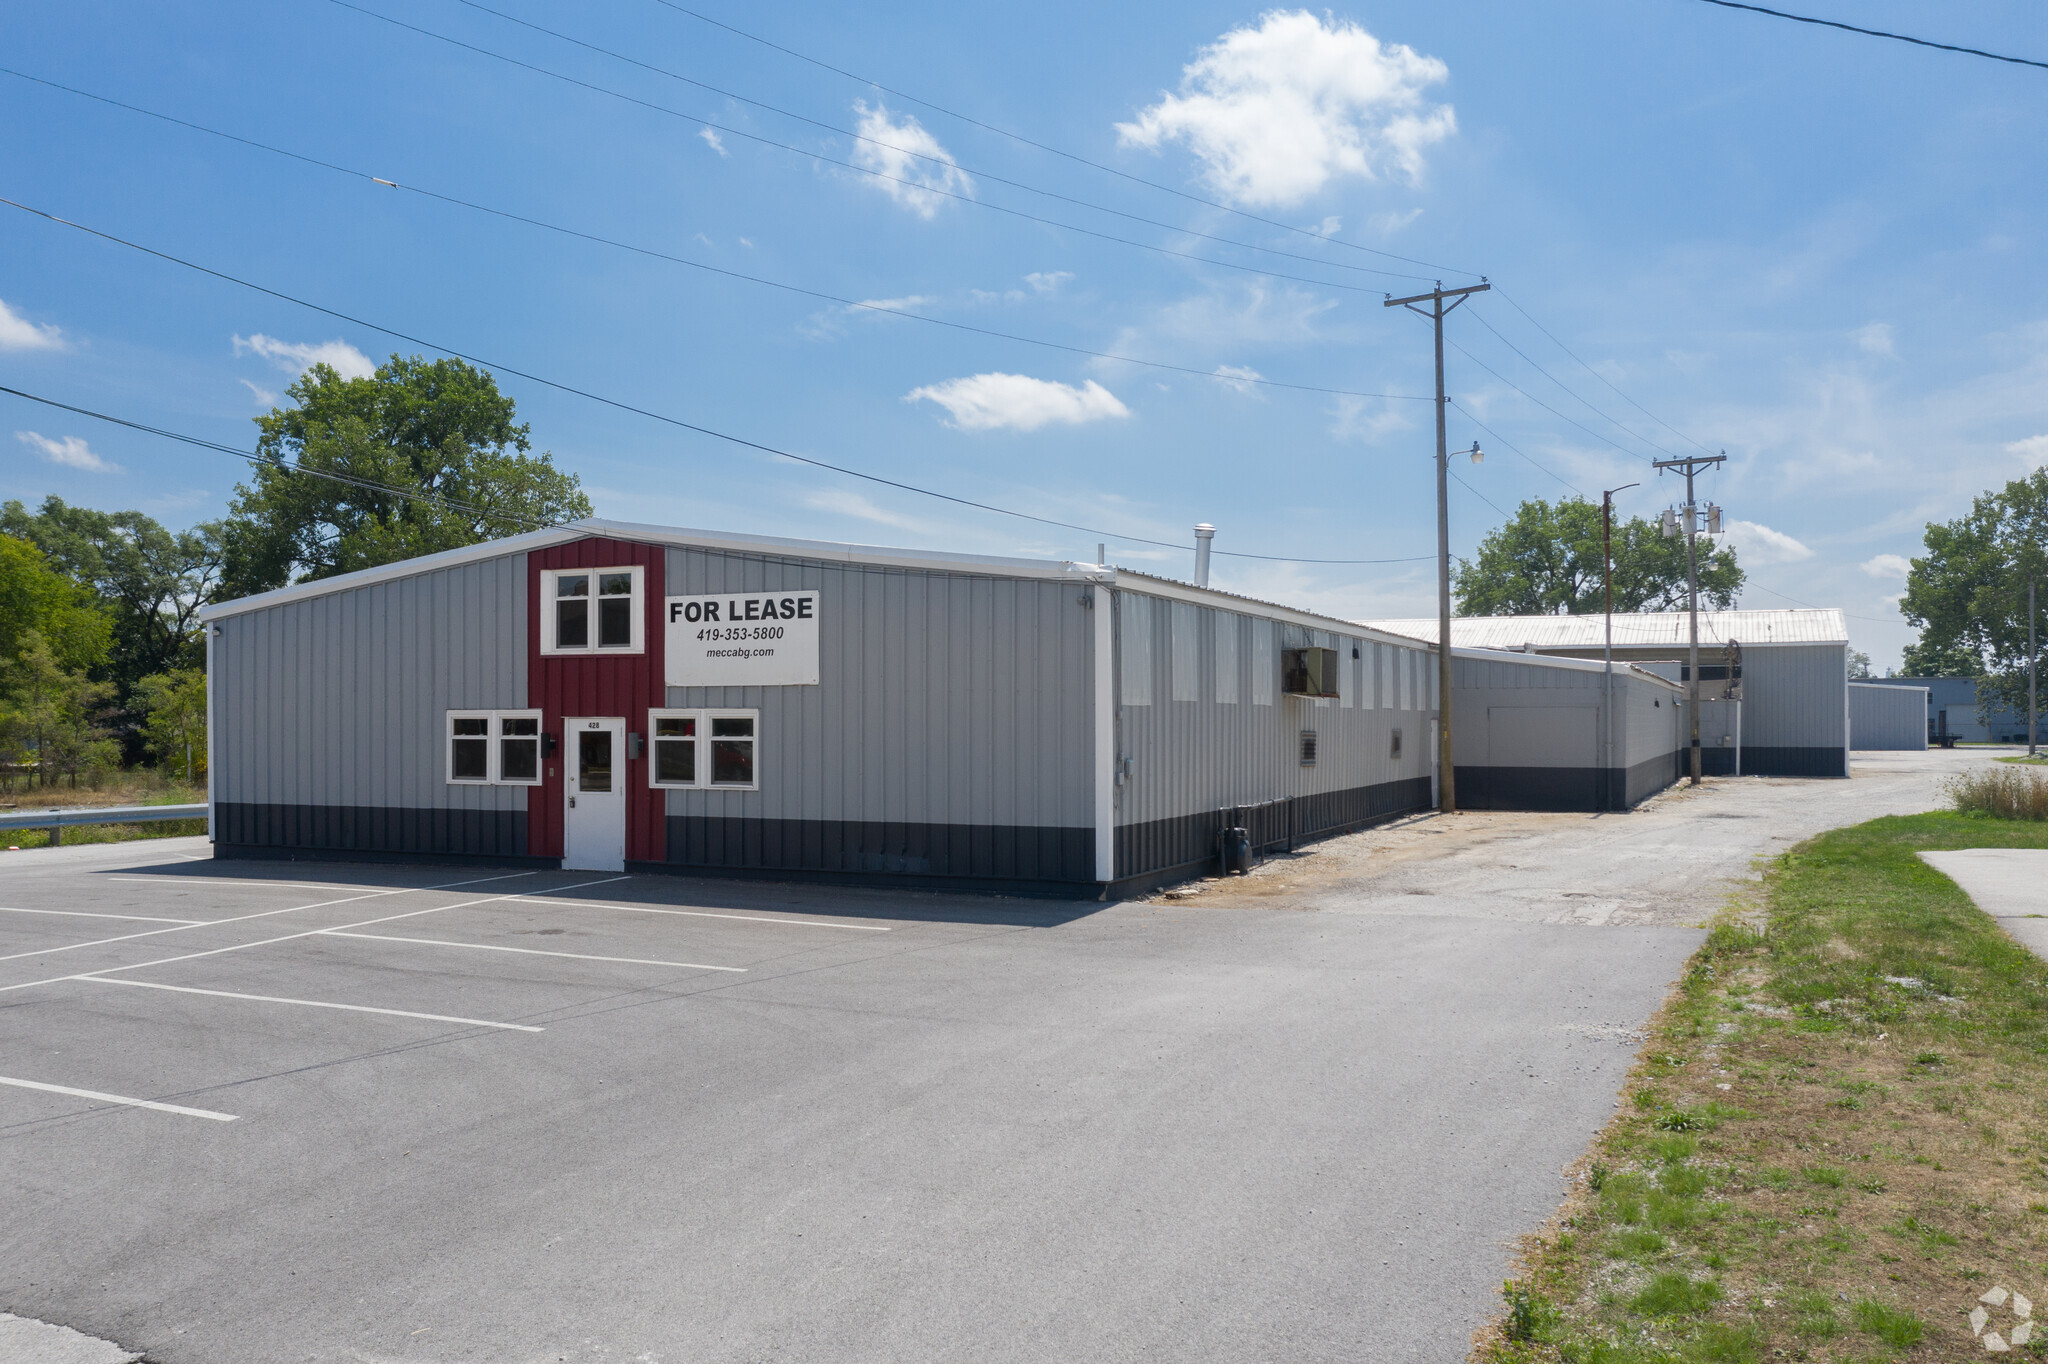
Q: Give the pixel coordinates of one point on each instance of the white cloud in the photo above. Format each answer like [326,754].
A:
[1276,112]
[1755,541]
[264,397]
[1366,420]
[2034,449]
[1887,566]
[713,141]
[69,451]
[1046,281]
[1330,226]
[1239,377]
[848,503]
[18,333]
[296,357]
[1390,222]
[1018,402]
[907,303]
[913,158]
[1875,338]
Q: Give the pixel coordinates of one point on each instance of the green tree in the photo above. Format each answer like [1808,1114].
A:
[1968,592]
[37,599]
[174,719]
[435,427]
[153,581]
[1547,561]
[1859,664]
[50,714]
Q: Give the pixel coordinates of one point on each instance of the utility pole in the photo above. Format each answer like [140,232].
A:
[1447,798]
[2033,677]
[1691,465]
[1607,654]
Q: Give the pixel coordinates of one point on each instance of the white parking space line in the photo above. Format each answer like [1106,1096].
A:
[81,914]
[709,914]
[289,937]
[238,918]
[119,1099]
[311,1003]
[529,951]
[146,878]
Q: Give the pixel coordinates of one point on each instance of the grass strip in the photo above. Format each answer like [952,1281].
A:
[1834,1145]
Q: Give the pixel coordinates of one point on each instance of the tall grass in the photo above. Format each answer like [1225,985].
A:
[2006,792]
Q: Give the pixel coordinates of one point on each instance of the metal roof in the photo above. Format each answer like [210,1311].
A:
[1644,630]
[776,546]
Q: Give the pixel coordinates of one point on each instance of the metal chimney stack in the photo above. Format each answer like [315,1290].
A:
[1204,533]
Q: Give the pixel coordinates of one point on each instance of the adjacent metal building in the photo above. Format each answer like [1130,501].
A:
[1789,669]
[1887,717]
[1534,733]
[613,696]
[1954,711]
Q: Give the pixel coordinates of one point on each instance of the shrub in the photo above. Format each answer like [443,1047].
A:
[2005,792]
[1530,1314]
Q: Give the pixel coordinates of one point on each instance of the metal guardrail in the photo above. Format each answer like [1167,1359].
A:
[57,820]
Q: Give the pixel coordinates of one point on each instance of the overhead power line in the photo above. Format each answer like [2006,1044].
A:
[1880,33]
[1480,318]
[930,158]
[919,186]
[1632,454]
[259,458]
[1078,159]
[859,304]
[662,417]
[1499,439]
[1596,373]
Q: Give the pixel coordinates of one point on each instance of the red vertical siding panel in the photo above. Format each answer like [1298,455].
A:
[626,685]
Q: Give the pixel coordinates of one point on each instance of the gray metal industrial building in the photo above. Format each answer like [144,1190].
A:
[1534,733]
[1887,718]
[621,696]
[1955,712]
[1788,669]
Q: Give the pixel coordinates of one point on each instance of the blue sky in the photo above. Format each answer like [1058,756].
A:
[1812,249]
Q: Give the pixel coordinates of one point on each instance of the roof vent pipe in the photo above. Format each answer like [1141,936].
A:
[1204,533]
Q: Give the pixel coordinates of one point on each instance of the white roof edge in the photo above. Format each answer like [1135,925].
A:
[1233,601]
[1906,685]
[1558,632]
[1556,661]
[825,550]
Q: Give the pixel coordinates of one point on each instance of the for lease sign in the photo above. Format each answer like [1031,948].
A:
[743,639]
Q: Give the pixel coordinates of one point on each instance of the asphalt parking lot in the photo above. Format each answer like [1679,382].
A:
[264,1112]
[770,1122]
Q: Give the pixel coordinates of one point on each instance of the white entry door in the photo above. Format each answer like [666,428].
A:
[594,822]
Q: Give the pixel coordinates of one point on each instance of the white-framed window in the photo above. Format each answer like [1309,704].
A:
[494,747]
[704,750]
[593,610]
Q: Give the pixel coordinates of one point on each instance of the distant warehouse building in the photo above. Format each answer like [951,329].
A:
[1885,718]
[607,696]
[1954,712]
[1788,669]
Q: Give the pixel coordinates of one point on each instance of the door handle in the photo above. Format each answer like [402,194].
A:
[572,802]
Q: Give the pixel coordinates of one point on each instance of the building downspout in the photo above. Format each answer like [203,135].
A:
[1103,602]
[212,824]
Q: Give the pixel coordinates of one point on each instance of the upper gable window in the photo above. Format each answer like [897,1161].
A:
[592,610]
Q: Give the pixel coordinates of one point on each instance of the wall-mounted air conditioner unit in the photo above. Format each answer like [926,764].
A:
[1308,672]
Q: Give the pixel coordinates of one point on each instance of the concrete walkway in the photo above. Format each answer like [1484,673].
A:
[2009,884]
[37,1342]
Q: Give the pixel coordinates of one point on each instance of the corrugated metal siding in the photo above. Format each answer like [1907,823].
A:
[944,699]
[1795,697]
[341,700]
[1196,757]
[1887,718]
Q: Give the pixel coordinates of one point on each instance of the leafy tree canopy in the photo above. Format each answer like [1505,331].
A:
[153,581]
[1547,561]
[1968,592]
[37,600]
[435,427]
